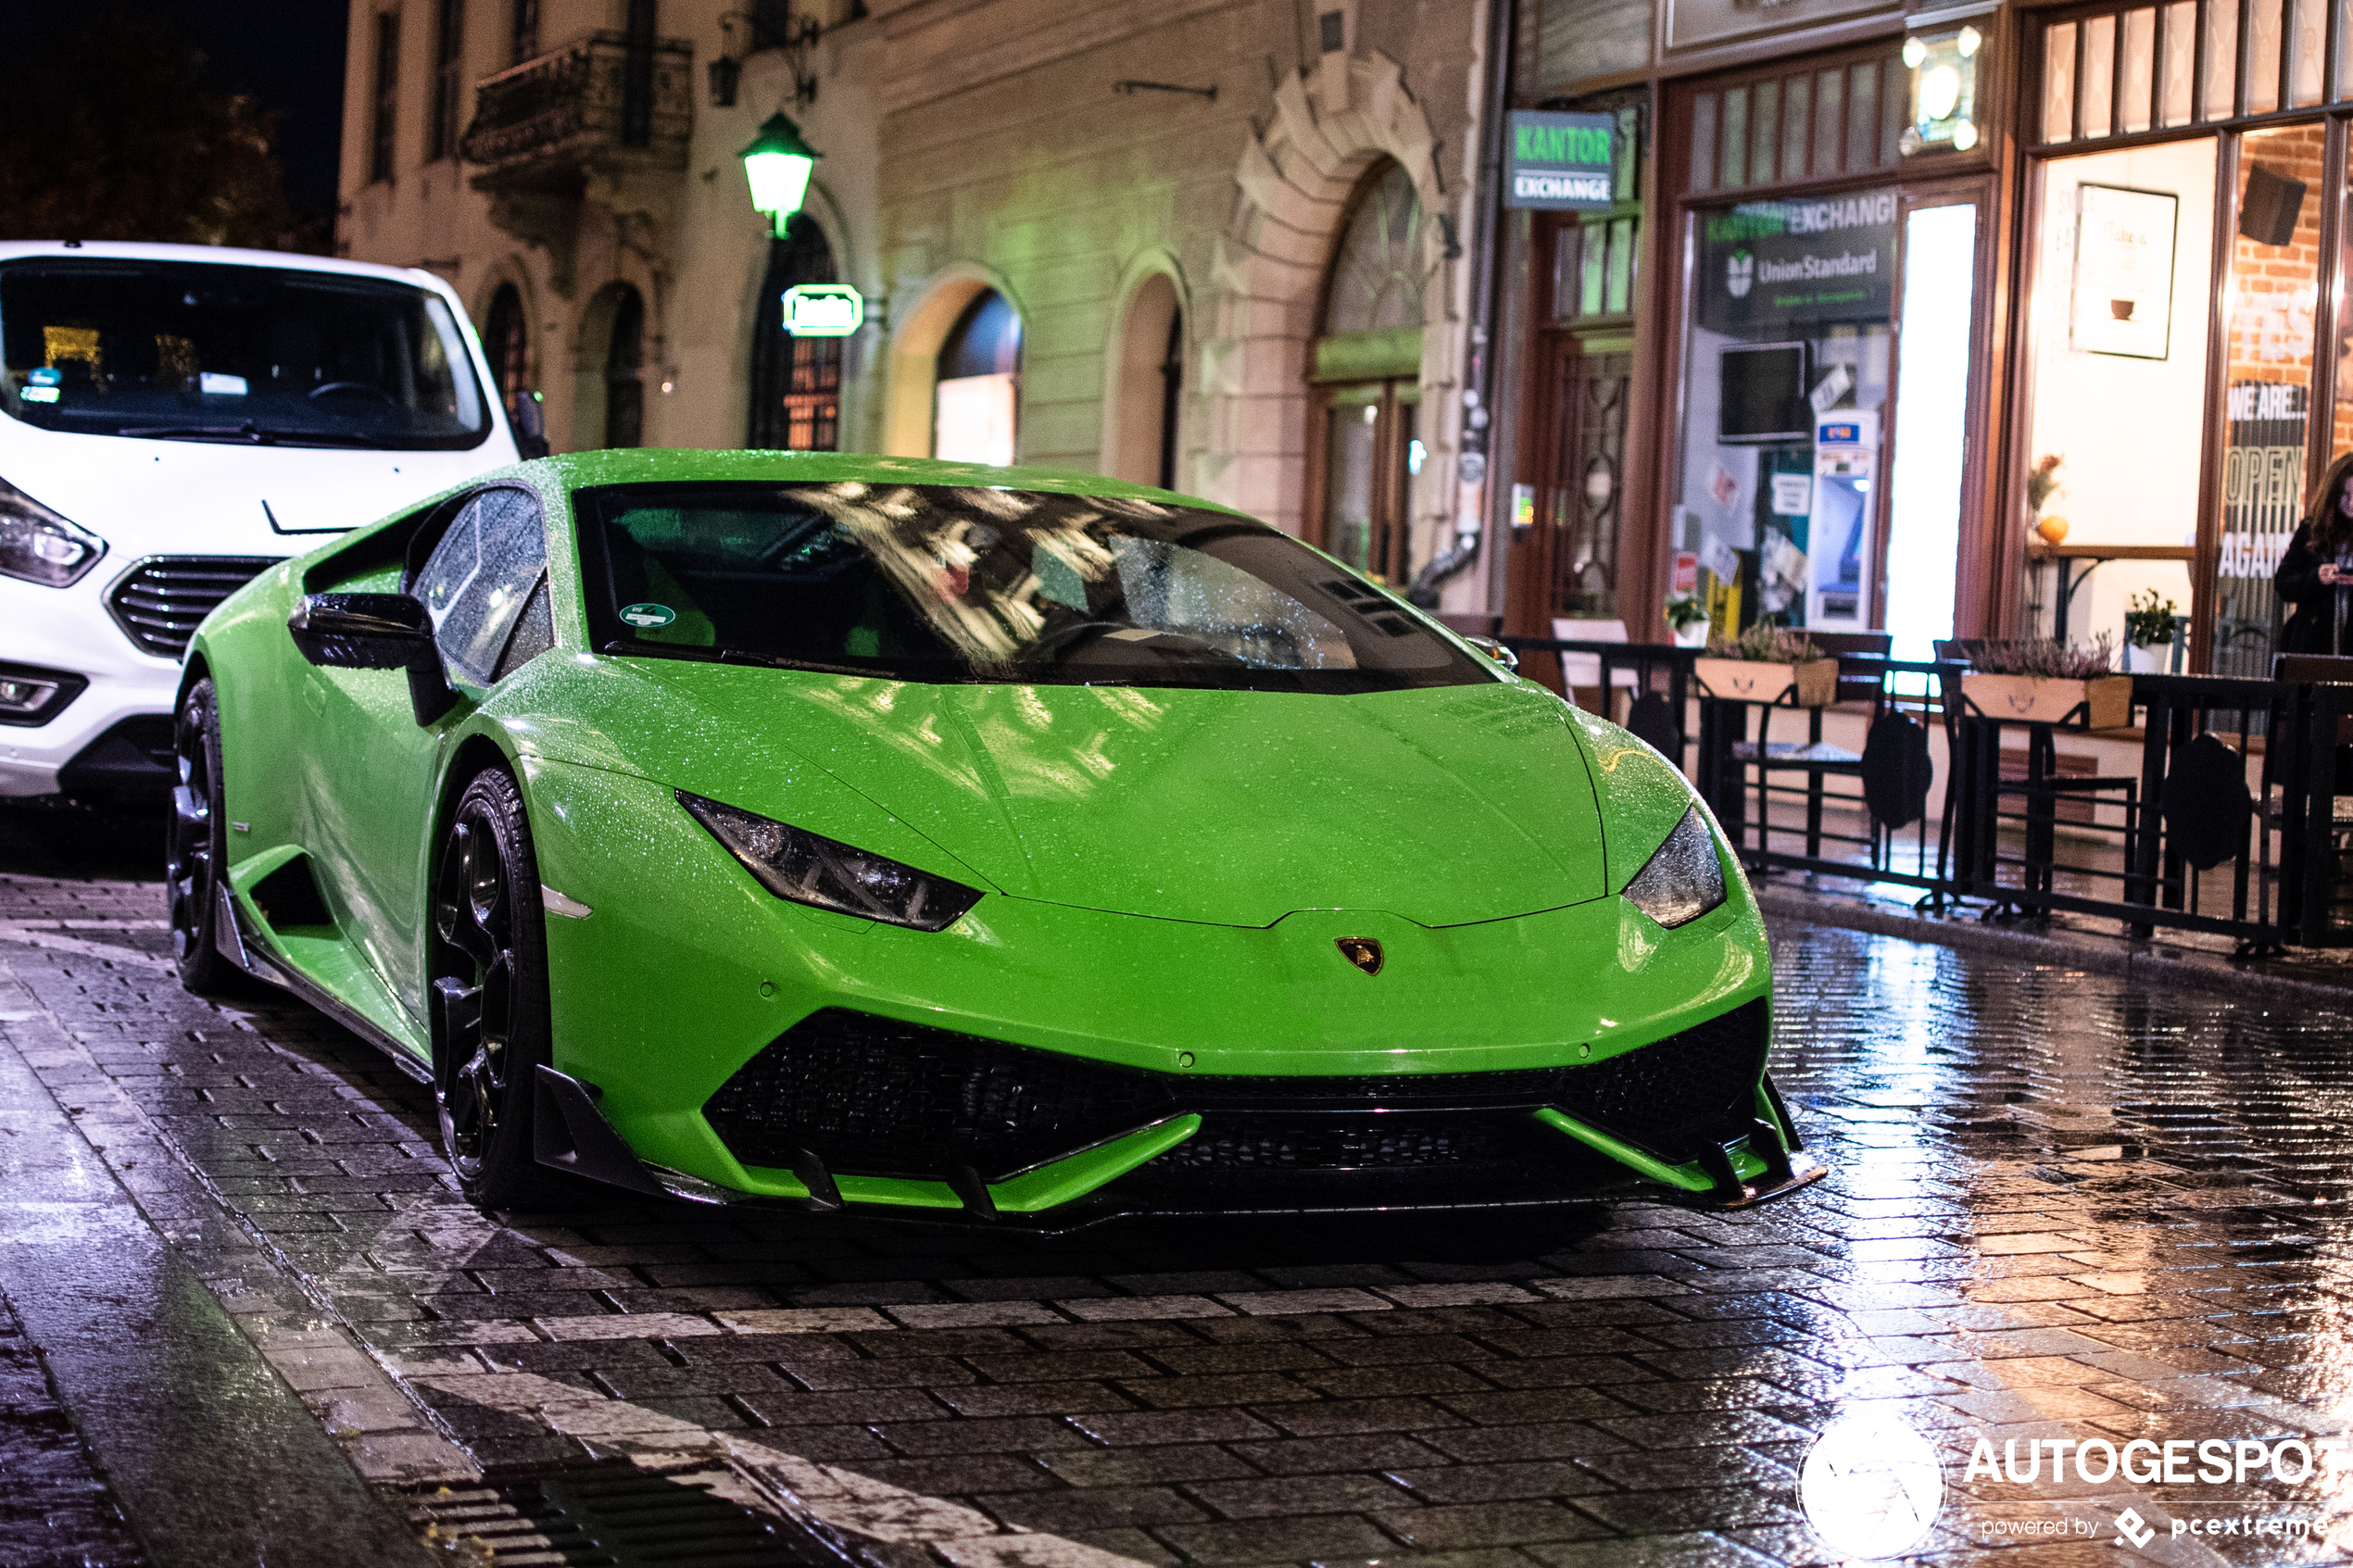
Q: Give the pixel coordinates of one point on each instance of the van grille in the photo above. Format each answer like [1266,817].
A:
[159,602]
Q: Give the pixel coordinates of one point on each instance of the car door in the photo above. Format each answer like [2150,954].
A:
[484,584]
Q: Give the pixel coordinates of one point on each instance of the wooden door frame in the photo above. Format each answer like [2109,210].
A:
[1390,490]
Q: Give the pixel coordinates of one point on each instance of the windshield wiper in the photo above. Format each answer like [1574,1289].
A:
[251,433]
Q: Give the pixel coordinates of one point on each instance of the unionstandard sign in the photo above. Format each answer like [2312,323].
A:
[1778,264]
[1561,162]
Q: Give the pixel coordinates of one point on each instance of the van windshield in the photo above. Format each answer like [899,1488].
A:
[195,351]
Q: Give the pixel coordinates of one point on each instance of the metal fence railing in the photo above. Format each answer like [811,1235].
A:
[2224,818]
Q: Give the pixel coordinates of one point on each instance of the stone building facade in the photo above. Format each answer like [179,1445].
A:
[1230,242]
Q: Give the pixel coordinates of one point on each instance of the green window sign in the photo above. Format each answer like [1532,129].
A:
[1561,162]
[824,310]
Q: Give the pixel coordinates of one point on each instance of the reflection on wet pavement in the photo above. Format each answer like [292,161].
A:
[2061,1211]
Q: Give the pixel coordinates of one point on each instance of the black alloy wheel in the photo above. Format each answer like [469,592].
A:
[490,998]
[195,848]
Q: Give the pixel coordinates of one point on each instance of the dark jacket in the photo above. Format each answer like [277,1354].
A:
[2312,627]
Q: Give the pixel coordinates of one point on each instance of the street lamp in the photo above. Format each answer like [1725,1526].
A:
[778,164]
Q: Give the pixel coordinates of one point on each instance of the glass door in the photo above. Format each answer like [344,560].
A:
[1371,453]
[1930,462]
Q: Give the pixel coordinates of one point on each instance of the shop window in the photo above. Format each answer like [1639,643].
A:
[1808,124]
[796,382]
[977,392]
[2138,69]
[2119,298]
[2268,323]
[1786,383]
[1365,448]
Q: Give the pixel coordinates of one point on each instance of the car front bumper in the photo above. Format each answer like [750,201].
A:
[684,975]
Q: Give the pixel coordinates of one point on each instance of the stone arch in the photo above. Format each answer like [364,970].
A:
[1295,178]
[606,306]
[508,272]
[916,334]
[1148,297]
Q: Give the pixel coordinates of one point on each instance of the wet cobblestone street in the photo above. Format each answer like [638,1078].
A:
[2059,1208]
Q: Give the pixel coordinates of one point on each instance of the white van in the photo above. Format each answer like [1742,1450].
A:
[177,419]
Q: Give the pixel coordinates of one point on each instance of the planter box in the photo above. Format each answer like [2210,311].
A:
[1748,680]
[2036,700]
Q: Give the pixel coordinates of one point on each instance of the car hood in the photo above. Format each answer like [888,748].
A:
[206,497]
[1445,805]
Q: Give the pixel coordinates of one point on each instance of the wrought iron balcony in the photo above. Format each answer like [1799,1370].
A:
[602,99]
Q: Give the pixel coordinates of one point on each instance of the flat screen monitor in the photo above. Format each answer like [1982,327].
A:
[1763,401]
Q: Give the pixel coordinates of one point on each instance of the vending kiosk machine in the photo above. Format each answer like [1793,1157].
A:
[1840,530]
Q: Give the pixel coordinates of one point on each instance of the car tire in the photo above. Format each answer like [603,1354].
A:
[196,851]
[490,1017]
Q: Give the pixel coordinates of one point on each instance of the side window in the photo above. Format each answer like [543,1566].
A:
[479,578]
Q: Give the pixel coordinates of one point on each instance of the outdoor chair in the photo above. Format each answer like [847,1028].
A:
[1818,757]
[1585,670]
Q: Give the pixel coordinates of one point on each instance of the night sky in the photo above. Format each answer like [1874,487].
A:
[286,54]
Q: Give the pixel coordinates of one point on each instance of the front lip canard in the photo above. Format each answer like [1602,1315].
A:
[1105,1142]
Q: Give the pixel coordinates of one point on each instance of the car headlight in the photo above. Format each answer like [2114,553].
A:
[1684,879]
[806,869]
[37,546]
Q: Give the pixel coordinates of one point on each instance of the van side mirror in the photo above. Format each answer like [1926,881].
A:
[375,632]
[531,426]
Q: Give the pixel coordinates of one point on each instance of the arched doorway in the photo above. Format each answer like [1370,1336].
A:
[1364,380]
[1151,376]
[507,343]
[624,370]
[977,392]
[796,382]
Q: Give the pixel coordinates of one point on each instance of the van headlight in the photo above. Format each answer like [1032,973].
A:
[1684,878]
[37,546]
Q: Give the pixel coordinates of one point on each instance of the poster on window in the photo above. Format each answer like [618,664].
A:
[2124,294]
[1775,264]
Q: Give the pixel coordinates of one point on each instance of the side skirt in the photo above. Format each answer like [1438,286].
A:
[242,945]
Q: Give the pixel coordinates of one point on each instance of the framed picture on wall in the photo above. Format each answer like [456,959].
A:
[2123,290]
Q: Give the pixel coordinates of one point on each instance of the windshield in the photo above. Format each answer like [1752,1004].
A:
[192,351]
[933,583]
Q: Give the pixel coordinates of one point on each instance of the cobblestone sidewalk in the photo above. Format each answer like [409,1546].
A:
[2060,1209]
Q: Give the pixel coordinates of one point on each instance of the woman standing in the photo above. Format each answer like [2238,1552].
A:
[2316,573]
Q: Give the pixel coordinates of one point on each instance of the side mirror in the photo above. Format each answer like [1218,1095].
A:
[375,632]
[1496,651]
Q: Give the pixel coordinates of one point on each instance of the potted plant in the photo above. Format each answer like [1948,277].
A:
[2148,633]
[2041,483]
[1763,663]
[2043,680]
[1687,618]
